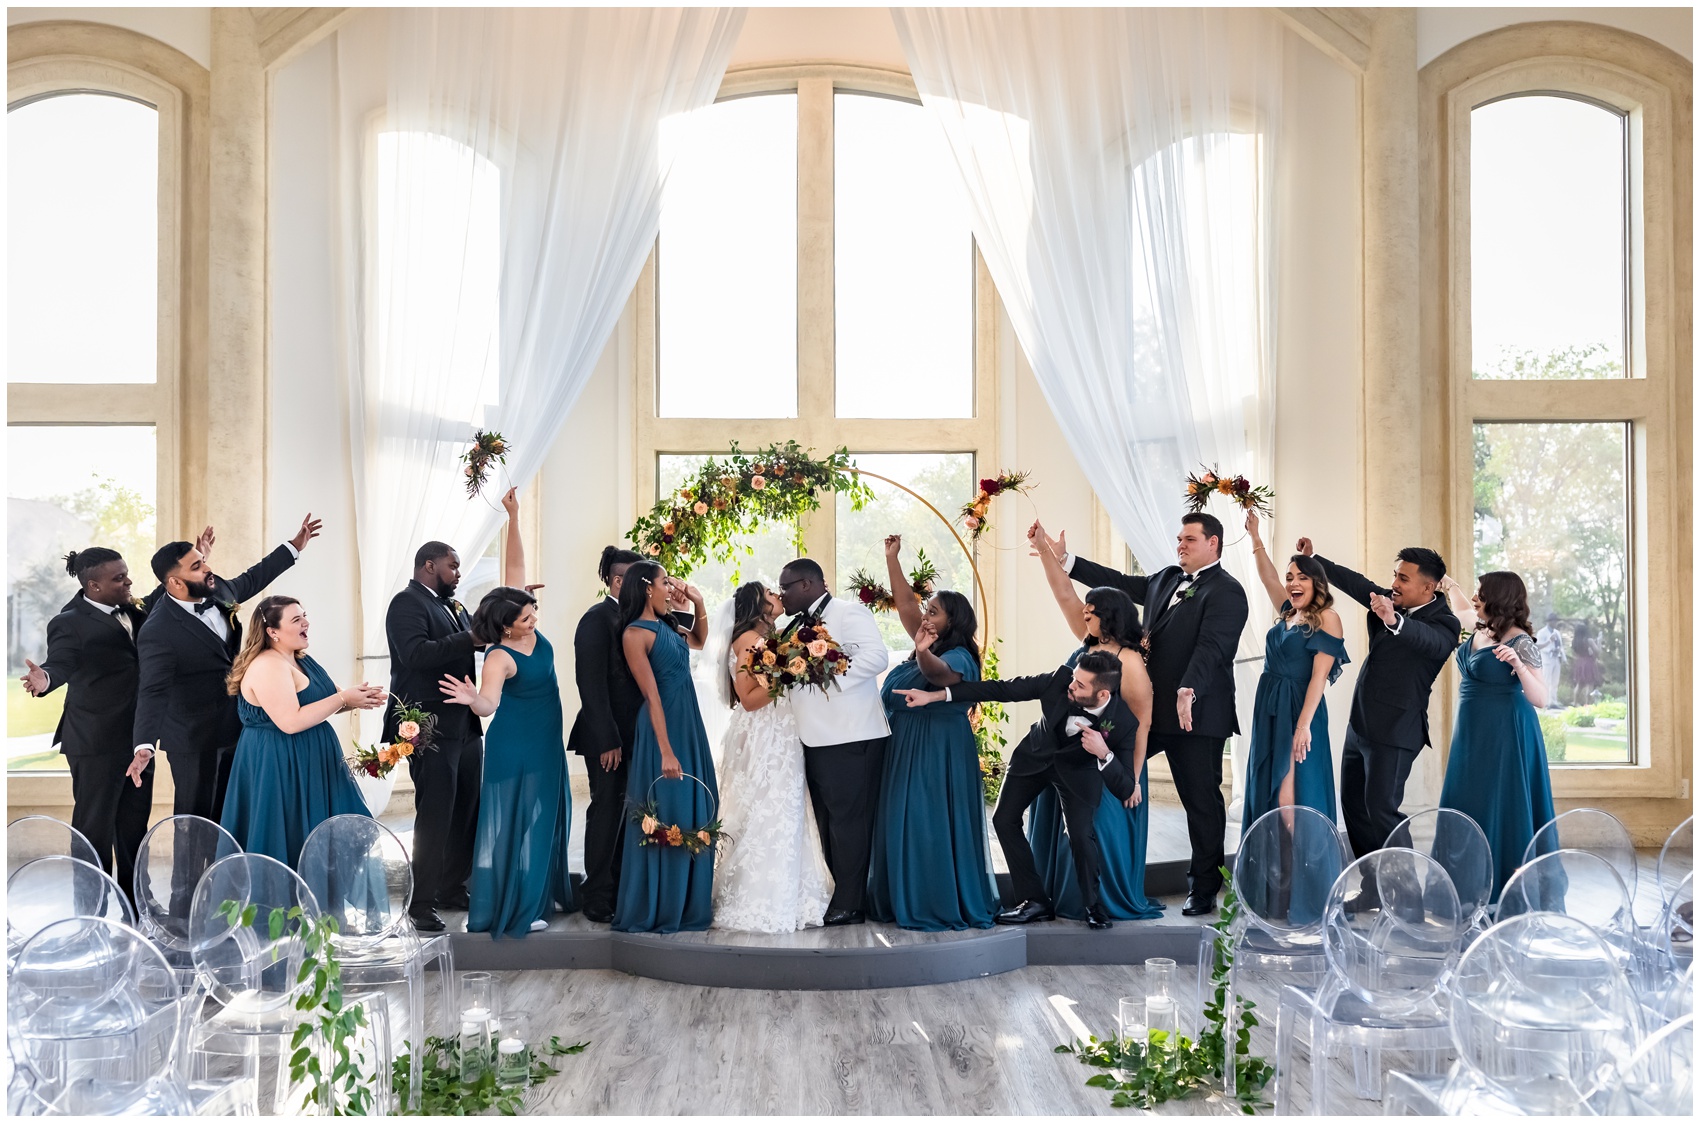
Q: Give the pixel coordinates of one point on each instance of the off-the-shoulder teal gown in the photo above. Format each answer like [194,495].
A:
[1288,656]
[282,785]
[931,868]
[664,888]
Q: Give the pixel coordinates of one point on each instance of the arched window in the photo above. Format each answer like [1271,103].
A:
[815,278]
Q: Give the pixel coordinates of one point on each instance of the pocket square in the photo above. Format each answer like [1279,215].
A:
[1076,725]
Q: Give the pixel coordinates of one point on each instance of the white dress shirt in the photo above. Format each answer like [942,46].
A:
[112,610]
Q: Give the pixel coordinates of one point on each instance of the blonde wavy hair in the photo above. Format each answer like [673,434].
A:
[267,614]
[1321,598]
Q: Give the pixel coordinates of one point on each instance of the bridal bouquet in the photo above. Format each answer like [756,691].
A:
[415,731]
[796,658]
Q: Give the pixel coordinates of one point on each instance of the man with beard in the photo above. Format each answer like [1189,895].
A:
[184,650]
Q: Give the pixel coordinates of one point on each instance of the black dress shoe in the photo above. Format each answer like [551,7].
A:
[427,921]
[1027,912]
[597,916]
[1198,904]
[836,917]
[459,902]
[1097,919]
[1365,900]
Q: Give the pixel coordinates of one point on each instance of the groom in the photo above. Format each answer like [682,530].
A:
[843,731]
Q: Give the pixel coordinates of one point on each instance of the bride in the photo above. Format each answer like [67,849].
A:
[769,876]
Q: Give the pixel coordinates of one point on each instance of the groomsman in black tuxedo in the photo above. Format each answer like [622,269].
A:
[91,652]
[609,701]
[1194,613]
[185,650]
[1082,743]
[430,635]
[1412,633]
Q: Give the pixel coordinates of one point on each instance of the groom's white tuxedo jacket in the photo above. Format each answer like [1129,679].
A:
[852,711]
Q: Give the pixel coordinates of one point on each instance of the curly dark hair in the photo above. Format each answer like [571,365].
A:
[1505,604]
[498,610]
[1118,618]
[960,624]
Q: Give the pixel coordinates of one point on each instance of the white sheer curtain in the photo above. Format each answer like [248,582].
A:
[1119,166]
[501,177]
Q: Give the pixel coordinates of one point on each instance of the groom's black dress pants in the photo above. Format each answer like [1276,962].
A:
[604,832]
[1196,764]
[844,787]
[1019,791]
[446,783]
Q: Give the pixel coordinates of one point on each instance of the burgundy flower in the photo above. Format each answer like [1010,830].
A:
[867,595]
[990,487]
[1241,485]
[806,635]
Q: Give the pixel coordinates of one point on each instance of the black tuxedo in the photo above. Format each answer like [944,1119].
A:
[94,658]
[609,702]
[430,637]
[1051,756]
[1191,644]
[182,703]
[1389,725]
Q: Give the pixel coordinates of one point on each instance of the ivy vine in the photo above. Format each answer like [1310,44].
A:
[987,720]
[445,1093]
[1160,1069]
[737,493]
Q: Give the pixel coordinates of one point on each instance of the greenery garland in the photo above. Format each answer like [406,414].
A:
[445,1093]
[736,494]
[986,720]
[1158,1070]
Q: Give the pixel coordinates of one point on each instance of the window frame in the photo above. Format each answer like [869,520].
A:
[1648,399]
[816,425]
[180,304]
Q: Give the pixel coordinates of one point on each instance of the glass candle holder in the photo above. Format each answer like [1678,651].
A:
[1130,1020]
[513,1050]
[1163,1027]
[478,1011]
[1160,978]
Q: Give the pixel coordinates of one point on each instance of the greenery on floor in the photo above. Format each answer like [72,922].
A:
[446,1094]
[1146,1073]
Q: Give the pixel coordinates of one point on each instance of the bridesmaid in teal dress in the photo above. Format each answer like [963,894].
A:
[1106,620]
[289,774]
[1291,761]
[519,855]
[930,869]
[664,888]
[1496,772]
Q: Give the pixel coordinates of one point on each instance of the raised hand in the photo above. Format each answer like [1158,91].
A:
[309,531]
[534,588]
[1383,608]
[1304,547]
[34,679]
[204,542]
[1252,523]
[510,502]
[893,545]
[460,691]
[925,637]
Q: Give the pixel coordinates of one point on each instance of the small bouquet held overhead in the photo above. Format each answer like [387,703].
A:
[878,598]
[797,658]
[1200,487]
[415,733]
[488,450]
[973,513]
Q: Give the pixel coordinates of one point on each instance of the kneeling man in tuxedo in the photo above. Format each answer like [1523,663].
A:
[1082,743]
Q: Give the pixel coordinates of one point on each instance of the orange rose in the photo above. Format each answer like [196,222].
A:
[797,666]
[706,838]
[670,528]
[386,755]
[408,730]
[650,824]
[818,648]
[768,658]
[758,482]
[402,748]
[700,507]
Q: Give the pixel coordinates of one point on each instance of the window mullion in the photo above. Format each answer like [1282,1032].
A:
[815,294]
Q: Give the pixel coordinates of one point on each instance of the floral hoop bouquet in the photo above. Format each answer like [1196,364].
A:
[973,513]
[693,840]
[797,658]
[415,732]
[487,449]
[1200,488]
[880,599]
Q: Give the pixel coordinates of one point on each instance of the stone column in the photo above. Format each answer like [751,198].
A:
[234,402]
[1394,407]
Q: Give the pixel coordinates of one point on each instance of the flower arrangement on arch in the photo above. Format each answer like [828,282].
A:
[487,449]
[797,658]
[973,513]
[416,731]
[1201,487]
[693,840]
[878,598]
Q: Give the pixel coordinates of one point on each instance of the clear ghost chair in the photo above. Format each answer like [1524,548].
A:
[1674,938]
[173,856]
[1389,956]
[1583,885]
[1658,1080]
[92,1016]
[39,836]
[250,980]
[1457,842]
[1284,871]
[1597,832]
[58,888]
[1676,858]
[360,874]
[1542,1018]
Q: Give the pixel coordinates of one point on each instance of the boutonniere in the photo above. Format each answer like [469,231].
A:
[1145,643]
[136,603]
[1106,727]
[233,613]
[460,609]
[1186,594]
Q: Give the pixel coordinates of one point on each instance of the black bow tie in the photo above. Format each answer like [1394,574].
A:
[207,604]
[1188,578]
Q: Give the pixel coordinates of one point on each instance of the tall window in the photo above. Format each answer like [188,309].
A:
[1561,346]
[92,347]
[815,279]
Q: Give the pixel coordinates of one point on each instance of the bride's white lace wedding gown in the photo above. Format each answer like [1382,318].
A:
[769,877]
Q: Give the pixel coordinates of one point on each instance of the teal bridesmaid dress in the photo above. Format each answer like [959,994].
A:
[931,869]
[519,856]
[1497,770]
[664,888]
[282,785]
[1288,654]
[1121,852]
